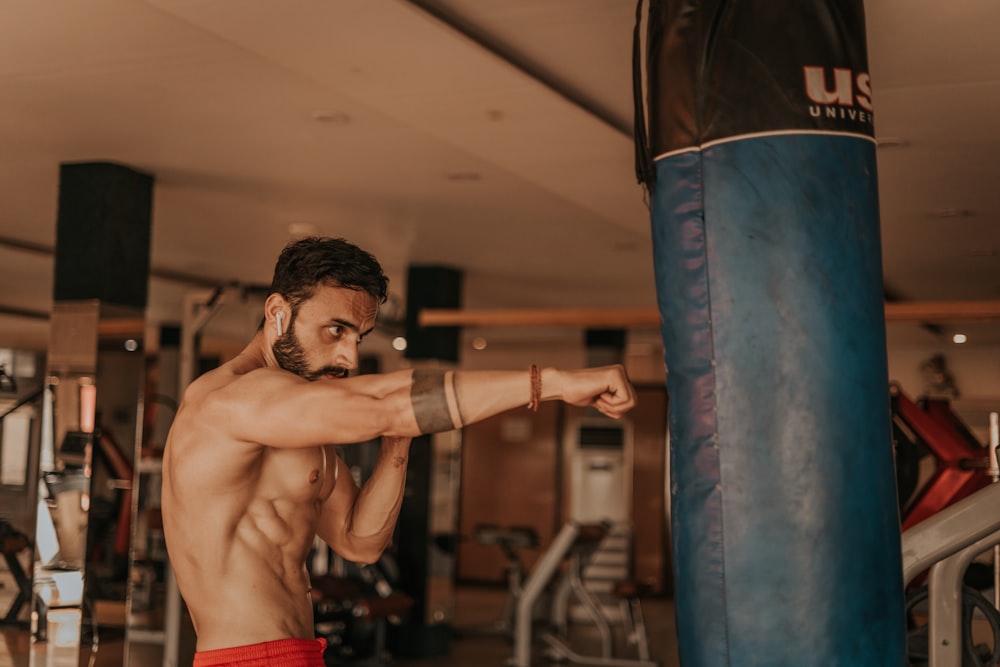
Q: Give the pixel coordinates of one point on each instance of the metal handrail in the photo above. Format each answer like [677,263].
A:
[946,544]
[950,531]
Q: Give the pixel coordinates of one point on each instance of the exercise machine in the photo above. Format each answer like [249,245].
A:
[353,610]
[573,546]
[947,543]
[961,463]
[12,543]
[511,540]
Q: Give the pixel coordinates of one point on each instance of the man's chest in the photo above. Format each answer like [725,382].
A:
[298,475]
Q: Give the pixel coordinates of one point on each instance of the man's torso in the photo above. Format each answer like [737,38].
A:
[239,521]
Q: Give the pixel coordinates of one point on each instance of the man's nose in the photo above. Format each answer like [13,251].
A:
[346,355]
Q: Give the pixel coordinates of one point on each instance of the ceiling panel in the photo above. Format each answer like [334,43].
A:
[490,136]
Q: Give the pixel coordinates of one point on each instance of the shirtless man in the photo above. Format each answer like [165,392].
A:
[250,475]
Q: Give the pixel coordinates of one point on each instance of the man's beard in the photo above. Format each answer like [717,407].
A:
[292,357]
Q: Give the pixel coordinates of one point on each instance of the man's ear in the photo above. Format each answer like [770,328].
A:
[276,310]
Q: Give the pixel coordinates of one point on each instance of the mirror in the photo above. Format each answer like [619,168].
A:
[22,373]
[91,420]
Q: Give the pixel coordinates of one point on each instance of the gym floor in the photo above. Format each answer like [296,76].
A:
[474,607]
[479,607]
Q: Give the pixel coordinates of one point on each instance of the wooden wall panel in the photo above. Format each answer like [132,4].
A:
[509,477]
[515,473]
[651,543]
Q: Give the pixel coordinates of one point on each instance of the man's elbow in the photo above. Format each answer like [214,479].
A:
[365,554]
[369,559]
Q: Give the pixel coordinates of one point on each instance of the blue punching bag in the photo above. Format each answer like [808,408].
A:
[761,168]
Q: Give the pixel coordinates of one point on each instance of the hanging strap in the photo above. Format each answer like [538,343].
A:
[644,171]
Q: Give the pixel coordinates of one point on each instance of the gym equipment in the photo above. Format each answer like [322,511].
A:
[947,543]
[12,543]
[630,594]
[352,613]
[973,654]
[947,636]
[995,478]
[962,463]
[510,540]
[573,545]
[761,168]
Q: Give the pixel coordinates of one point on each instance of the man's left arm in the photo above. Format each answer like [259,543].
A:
[358,524]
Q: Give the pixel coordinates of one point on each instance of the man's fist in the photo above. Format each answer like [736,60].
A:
[605,388]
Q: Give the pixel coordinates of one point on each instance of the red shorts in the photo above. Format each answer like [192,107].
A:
[277,653]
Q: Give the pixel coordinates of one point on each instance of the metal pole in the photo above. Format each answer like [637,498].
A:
[951,530]
[995,474]
[540,576]
[199,307]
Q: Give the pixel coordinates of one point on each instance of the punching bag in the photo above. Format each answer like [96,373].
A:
[760,164]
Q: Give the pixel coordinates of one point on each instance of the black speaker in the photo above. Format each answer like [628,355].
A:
[605,346]
[103,230]
[432,287]
[419,636]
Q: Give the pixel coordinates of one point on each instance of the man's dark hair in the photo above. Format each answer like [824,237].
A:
[318,260]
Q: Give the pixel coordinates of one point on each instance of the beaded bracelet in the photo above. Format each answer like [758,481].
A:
[536,388]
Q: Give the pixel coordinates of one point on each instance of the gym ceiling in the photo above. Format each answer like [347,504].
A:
[493,137]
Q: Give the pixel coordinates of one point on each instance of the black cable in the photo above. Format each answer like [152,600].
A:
[24,401]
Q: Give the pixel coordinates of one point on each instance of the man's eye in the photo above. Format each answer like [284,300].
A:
[336,330]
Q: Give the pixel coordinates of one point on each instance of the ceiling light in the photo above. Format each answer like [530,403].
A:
[464,176]
[399,343]
[951,212]
[892,142]
[959,338]
[332,117]
[479,343]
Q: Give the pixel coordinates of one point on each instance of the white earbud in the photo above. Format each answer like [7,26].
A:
[278,317]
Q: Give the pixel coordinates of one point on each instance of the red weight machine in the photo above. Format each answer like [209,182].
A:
[962,465]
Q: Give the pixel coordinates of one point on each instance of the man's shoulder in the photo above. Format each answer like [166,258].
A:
[226,375]
[208,382]
[200,425]
[226,391]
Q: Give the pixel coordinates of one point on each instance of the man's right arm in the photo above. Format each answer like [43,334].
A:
[282,410]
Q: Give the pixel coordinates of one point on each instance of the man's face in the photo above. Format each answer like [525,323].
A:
[322,337]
